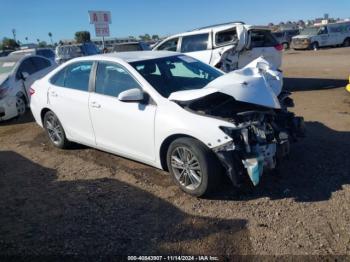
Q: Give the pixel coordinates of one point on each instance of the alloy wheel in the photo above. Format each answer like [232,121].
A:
[20,105]
[186,168]
[54,129]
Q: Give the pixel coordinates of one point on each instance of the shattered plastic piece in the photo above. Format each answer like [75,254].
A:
[254,168]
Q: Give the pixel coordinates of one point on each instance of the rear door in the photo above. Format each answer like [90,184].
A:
[198,46]
[261,44]
[68,98]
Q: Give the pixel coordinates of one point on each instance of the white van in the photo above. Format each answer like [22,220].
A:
[227,46]
[334,34]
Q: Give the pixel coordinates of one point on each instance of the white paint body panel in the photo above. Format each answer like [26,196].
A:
[18,86]
[131,129]
[240,56]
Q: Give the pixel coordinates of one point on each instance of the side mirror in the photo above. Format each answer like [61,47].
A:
[131,95]
[24,75]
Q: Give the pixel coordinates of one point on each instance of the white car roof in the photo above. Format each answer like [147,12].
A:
[131,56]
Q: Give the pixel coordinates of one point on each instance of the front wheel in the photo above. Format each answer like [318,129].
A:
[194,168]
[55,130]
[314,46]
[346,42]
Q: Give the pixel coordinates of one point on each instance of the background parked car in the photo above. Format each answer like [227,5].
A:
[17,73]
[45,52]
[227,46]
[131,46]
[334,34]
[67,52]
[284,37]
[5,52]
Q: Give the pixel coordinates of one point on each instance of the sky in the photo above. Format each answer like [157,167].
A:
[35,18]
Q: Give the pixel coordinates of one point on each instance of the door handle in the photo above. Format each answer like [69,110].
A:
[53,94]
[95,105]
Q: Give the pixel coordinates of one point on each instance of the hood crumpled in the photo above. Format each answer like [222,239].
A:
[250,84]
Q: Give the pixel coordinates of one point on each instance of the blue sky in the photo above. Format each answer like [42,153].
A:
[35,18]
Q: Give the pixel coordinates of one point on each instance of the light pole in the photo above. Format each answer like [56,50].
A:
[14,34]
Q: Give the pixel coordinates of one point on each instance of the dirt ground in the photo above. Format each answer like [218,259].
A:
[83,201]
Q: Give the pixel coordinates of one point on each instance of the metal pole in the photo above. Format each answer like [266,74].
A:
[103,42]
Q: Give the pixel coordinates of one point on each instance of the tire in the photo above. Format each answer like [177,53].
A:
[346,42]
[55,131]
[314,46]
[21,105]
[194,168]
[285,46]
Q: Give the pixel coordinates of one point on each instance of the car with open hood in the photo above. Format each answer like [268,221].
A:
[17,73]
[170,111]
[228,46]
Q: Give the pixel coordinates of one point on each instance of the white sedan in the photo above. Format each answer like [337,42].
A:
[167,110]
[17,73]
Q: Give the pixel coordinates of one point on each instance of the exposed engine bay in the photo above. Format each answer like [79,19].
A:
[262,134]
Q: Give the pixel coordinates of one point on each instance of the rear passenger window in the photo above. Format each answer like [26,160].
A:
[262,38]
[74,76]
[193,43]
[40,63]
[226,37]
[112,79]
[26,66]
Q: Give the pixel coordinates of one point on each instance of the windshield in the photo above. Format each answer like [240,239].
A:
[6,66]
[309,31]
[176,73]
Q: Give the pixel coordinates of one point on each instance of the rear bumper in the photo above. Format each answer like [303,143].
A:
[8,108]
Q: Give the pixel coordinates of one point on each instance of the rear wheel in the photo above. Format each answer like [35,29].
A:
[285,46]
[55,130]
[194,168]
[346,42]
[20,105]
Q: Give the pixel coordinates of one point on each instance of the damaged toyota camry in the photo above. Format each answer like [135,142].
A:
[173,112]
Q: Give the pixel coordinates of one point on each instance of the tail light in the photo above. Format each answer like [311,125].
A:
[31,91]
[279,47]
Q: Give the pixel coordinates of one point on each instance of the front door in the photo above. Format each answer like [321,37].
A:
[124,128]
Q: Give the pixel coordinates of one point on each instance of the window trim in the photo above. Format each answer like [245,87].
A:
[94,77]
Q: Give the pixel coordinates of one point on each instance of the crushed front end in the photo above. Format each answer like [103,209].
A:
[255,147]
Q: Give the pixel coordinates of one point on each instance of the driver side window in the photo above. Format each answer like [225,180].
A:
[112,79]
[323,31]
[170,45]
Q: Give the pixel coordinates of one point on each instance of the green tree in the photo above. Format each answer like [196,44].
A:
[155,37]
[8,43]
[145,37]
[50,35]
[42,44]
[82,36]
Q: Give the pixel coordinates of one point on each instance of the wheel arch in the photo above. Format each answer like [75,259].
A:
[165,146]
[42,114]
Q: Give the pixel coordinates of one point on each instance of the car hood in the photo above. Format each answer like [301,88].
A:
[301,37]
[250,85]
